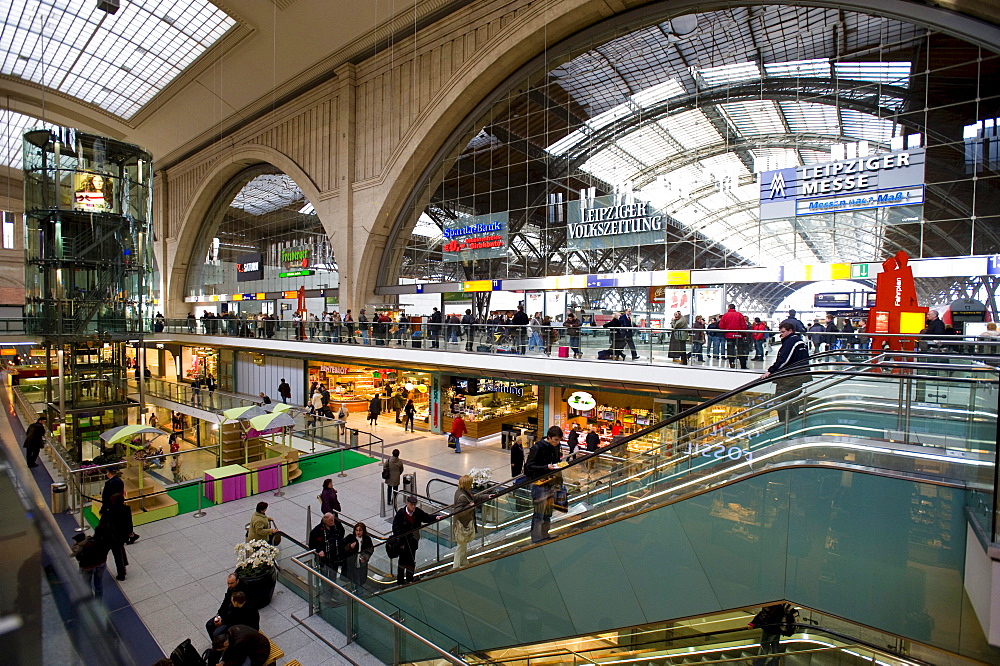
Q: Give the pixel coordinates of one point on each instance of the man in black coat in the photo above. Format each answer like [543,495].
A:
[467,321]
[434,326]
[214,625]
[625,320]
[404,525]
[326,539]
[793,352]
[521,322]
[34,440]
[543,459]
[115,527]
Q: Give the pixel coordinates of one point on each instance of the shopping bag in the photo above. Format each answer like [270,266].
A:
[564,352]
[451,441]
[561,499]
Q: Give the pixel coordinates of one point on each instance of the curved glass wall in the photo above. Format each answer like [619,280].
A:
[644,149]
[263,235]
[88,264]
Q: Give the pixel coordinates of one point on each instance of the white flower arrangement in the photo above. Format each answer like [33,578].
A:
[254,558]
[482,477]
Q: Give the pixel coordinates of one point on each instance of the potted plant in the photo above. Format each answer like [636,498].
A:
[256,567]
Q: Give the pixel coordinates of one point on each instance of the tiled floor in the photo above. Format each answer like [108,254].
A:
[177,571]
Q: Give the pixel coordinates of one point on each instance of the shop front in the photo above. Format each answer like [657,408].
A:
[489,406]
[199,362]
[354,386]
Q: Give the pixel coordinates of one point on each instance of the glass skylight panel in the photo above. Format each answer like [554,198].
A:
[890,73]
[658,93]
[726,75]
[648,145]
[15,125]
[691,129]
[426,227]
[768,159]
[757,116]
[811,118]
[117,62]
[267,193]
[611,165]
[799,68]
[859,125]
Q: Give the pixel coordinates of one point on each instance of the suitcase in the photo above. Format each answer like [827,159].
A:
[484,349]
[604,354]
[564,352]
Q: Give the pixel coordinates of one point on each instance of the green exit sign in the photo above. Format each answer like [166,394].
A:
[297,273]
[859,270]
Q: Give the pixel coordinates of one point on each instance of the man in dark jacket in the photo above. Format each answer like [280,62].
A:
[467,321]
[772,620]
[793,352]
[240,612]
[404,530]
[625,320]
[434,327]
[233,585]
[116,527]
[240,644]
[521,322]
[285,391]
[543,459]
[797,324]
[325,539]
[92,556]
[112,486]
[34,440]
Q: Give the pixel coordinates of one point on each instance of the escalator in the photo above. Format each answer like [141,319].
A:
[856,503]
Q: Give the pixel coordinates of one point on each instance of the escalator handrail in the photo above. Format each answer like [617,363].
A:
[480,499]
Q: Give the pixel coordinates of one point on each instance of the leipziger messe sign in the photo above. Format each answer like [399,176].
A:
[873,181]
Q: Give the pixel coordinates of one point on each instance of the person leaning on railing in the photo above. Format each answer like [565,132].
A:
[793,351]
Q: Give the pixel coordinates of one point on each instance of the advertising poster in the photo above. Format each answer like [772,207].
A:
[534,301]
[249,267]
[708,302]
[478,237]
[93,193]
[675,300]
[555,305]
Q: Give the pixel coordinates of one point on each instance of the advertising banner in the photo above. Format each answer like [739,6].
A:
[708,302]
[610,221]
[249,267]
[873,181]
[478,237]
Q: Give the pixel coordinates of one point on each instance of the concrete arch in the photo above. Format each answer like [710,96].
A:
[183,241]
[521,49]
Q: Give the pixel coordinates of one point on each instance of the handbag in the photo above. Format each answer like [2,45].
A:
[392,548]
[385,472]
[560,499]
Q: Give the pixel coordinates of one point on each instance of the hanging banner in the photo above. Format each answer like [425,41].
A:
[478,237]
[613,220]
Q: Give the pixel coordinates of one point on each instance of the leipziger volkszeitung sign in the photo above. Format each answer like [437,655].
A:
[873,181]
[609,221]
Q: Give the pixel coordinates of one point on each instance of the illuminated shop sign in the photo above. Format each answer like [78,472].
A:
[250,267]
[479,237]
[295,257]
[870,181]
[302,273]
[614,220]
[490,386]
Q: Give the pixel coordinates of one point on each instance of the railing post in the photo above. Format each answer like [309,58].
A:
[349,621]
[199,513]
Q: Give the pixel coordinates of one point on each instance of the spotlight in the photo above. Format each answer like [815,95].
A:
[109,6]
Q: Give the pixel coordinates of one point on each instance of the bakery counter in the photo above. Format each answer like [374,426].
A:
[488,427]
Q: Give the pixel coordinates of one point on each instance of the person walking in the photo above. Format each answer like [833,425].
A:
[463,521]
[328,502]
[458,430]
[758,338]
[520,322]
[113,485]
[348,322]
[542,468]
[115,529]
[405,529]
[374,409]
[516,458]
[34,440]
[356,549]
[260,525]
[285,391]
[734,323]
[409,412]
[677,349]
[534,332]
[698,339]
[196,392]
[392,472]
[797,325]
[326,539]
[625,321]
[92,556]
[434,327]
[573,325]
[573,441]
[593,441]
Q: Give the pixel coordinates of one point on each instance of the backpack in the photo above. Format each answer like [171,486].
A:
[185,655]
